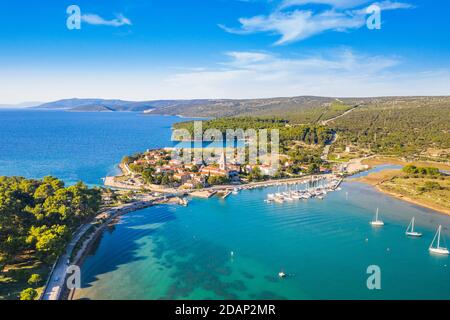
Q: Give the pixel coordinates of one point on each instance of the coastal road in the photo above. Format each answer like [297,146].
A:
[56,281]
[58,276]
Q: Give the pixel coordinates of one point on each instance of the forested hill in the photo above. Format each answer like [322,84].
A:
[388,125]
[97,105]
[312,108]
[301,109]
[402,126]
[37,220]
[305,109]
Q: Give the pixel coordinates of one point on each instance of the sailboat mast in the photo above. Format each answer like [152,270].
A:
[439,237]
[434,239]
[412,225]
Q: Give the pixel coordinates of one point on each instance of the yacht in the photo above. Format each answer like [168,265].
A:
[437,249]
[410,231]
[377,222]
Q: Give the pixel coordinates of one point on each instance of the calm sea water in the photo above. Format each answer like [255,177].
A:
[75,146]
[173,252]
[325,247]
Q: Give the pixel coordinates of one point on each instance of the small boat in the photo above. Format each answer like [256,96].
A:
[377,222]
[281,274]
[278,200]
[410,231]
[235,191]
[295,196]
[438,249]
[183,201]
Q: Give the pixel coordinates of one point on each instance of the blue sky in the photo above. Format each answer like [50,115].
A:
[164,49]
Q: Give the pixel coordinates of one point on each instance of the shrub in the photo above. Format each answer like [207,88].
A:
[28,294]
[34,279]
[429,185]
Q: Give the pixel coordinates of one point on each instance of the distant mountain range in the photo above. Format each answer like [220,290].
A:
[192,108]
[103,105]
[299,109]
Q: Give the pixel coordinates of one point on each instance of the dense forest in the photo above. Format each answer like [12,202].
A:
[309,134]
[401,127]
[302,109]
[37,218]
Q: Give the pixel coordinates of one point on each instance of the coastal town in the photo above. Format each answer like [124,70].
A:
[155,170]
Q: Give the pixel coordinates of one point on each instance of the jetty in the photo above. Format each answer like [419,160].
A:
[226,194]
[204,194]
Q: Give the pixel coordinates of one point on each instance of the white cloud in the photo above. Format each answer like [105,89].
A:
[298,24]
[388,5]
[97,20]
[340,73]
[333,3]
[295,25]
[385,6]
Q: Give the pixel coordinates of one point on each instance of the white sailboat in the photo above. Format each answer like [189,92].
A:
[438,249]
[377,222]
[410,231]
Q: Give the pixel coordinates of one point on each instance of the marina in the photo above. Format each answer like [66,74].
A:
[316,187]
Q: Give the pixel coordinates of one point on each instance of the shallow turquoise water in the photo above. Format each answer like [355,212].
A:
[172,252]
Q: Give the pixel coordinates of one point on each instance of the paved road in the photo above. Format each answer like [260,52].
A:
[57,278]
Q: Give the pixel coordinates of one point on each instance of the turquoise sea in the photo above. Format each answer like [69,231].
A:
[233,248]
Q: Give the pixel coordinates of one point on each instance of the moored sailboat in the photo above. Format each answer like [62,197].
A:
[377,222]
[410,230]
[437,249]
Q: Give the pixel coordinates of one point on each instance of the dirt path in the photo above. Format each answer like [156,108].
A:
[325,122]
